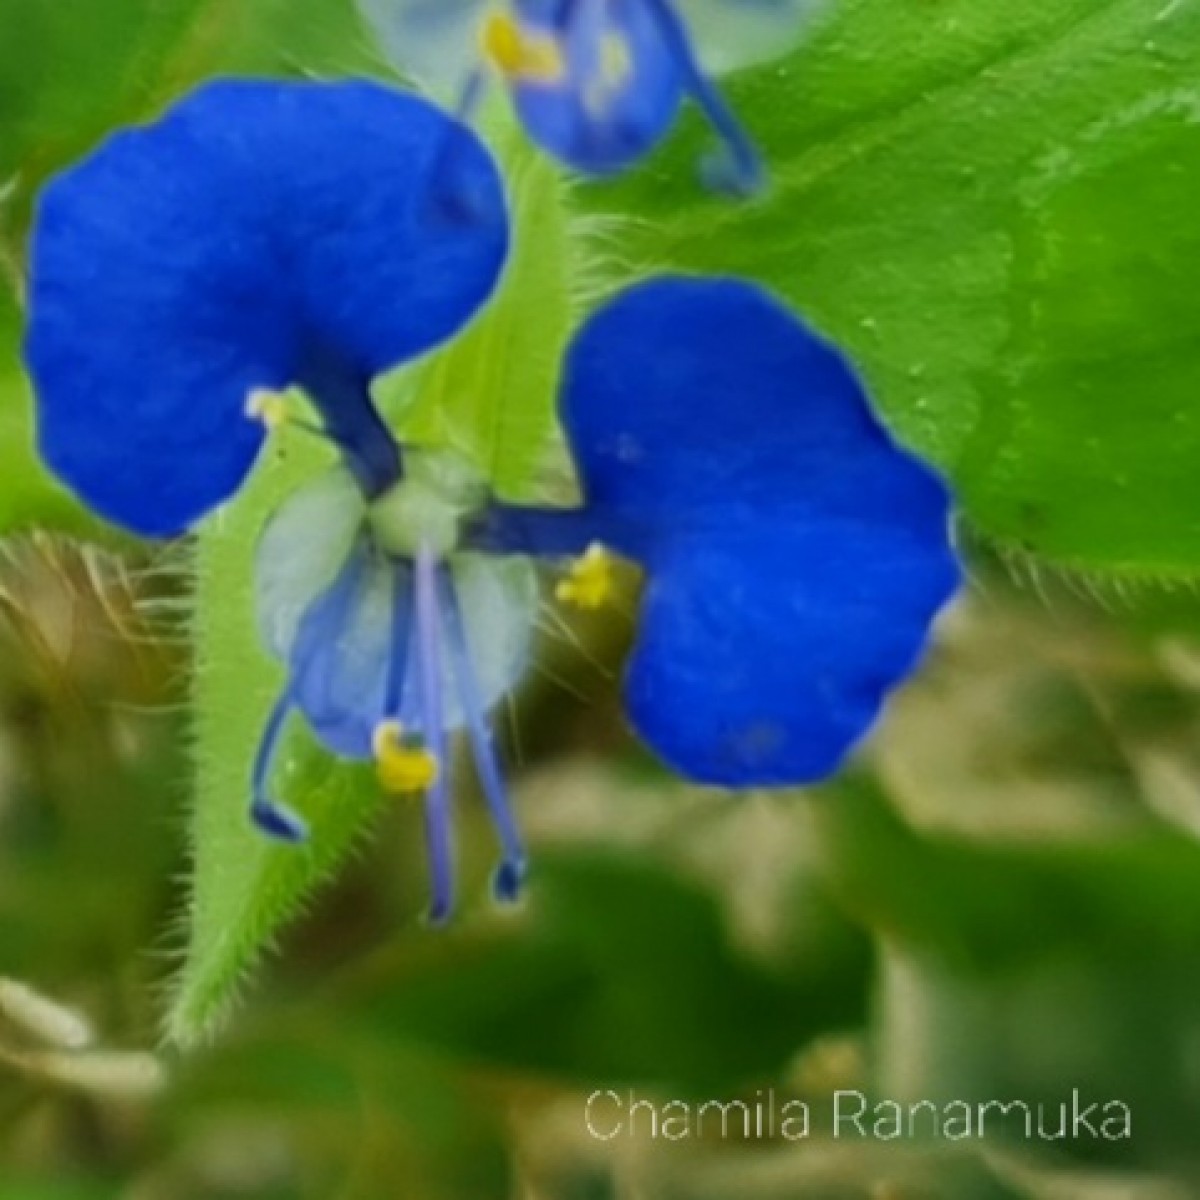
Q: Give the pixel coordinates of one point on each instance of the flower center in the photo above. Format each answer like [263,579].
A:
[428,506]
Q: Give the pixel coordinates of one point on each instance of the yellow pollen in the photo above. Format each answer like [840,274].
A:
[591,581]
[402,763]
[517,54]
[271,408]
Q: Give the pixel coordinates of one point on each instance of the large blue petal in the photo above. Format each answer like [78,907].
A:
[797,556]
[603,114]
[766,652]
[259,235]
[706,400]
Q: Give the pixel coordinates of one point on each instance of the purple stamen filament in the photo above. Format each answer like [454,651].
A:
[401,642]
[432,714]
[511,871]
[272,818]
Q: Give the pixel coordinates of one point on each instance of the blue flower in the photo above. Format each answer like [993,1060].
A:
[596,83]
[265,235]
[795,556]
[262,236]
[259,236]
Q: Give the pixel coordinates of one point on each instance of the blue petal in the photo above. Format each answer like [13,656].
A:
[797,555]
[259,235]
[596,120]
[765,653]
[691,400]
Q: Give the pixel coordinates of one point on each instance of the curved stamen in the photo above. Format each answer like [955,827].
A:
[511,872]
[320,624]
[739,169]
[274,819]
[520,54]
[437,798]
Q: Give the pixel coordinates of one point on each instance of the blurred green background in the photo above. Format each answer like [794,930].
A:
[1001,901]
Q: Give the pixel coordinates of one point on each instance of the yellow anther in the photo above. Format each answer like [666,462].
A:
[271,408]
[518,54]
[402,763]
[591,580]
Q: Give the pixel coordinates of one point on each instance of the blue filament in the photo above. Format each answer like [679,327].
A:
[401,638]
[511,872]
[327,613]
[437,799]
[272,818]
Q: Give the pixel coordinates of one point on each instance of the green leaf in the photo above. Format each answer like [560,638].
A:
[488,393]
[989,909]
[270,37]
[1032,967]
[993,206]
[431,1134]
[73,71]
